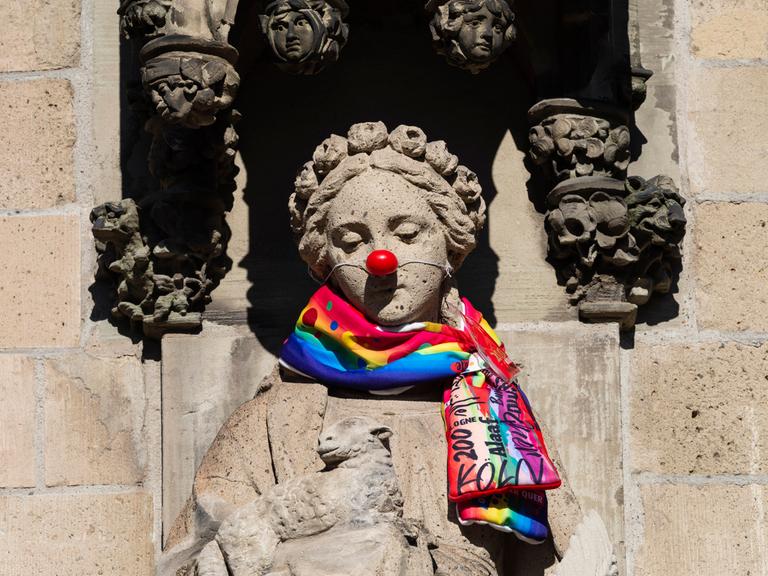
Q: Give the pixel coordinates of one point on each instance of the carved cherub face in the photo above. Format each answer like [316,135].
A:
[292,35]
[481,36]
[473,33]
[380,210]
[305,35]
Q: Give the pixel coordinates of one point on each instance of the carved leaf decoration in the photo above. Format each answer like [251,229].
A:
[585,128]
[192,68]
[594,148]
[213,72]
[584,169]
[565,146]
[560,128]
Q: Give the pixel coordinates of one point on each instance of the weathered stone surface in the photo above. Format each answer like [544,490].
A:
[724,104]
[700,409]
[526,287]
[104,171]
[36,143]
[95,413]
[73,535]
[295,413]
[17,415]
[235,469]
[703,530]
[571,376]
[657,117]
[724,29]
[730,266]
[39,35]
[205,378]
[43,300]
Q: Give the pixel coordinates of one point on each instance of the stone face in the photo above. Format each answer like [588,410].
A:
[94,419]
[724,105]
[346,199]
[703,530]
[43,299]
[36,144]
[724,29]
[317,48]
[73,535]
[17,415]
[731,267]
[700,409]
[472,35]
[39,35]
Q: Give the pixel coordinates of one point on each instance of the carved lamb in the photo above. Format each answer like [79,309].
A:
[358,489]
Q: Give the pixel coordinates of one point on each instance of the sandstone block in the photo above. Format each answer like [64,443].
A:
[36,144]
[731,267]
[729,131]
[95,412]
[74,535]
[39,35]
[724,29]
[703,530]
[206,377]
[17,418]
[41,287]
[700,409]
[570,373]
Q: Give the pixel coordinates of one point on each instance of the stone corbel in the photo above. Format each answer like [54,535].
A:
[613,240]
[166,251]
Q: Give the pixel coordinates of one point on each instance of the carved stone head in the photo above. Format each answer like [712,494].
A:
[305,35]
[472,34]
[376,190]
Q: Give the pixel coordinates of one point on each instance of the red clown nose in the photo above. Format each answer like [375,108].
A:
[381,263]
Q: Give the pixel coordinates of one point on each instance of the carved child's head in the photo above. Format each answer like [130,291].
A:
[472,34]
[375,190]
[305,35]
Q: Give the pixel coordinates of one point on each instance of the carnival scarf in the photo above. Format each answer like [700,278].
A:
[495,445]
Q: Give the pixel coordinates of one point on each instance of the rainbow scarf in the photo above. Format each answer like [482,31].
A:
[495,446]
[334,343]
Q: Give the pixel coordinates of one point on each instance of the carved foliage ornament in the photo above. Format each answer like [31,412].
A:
[305,36]
[631,230]
[572,145]
[472,34]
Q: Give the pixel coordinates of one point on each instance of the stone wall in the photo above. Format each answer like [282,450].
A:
[79,409]
[80,432]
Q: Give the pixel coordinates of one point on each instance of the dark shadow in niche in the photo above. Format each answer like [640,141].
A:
[389,72]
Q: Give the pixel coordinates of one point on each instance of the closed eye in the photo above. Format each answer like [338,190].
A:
[348,239]
[407,232]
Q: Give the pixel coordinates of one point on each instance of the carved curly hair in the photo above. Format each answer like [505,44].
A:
[330,31]
[452,191]
[448,20]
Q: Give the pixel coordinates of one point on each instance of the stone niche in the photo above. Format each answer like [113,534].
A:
[222,108]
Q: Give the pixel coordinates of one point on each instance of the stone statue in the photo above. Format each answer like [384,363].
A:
[305,36]
[302,480]
[472,34]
